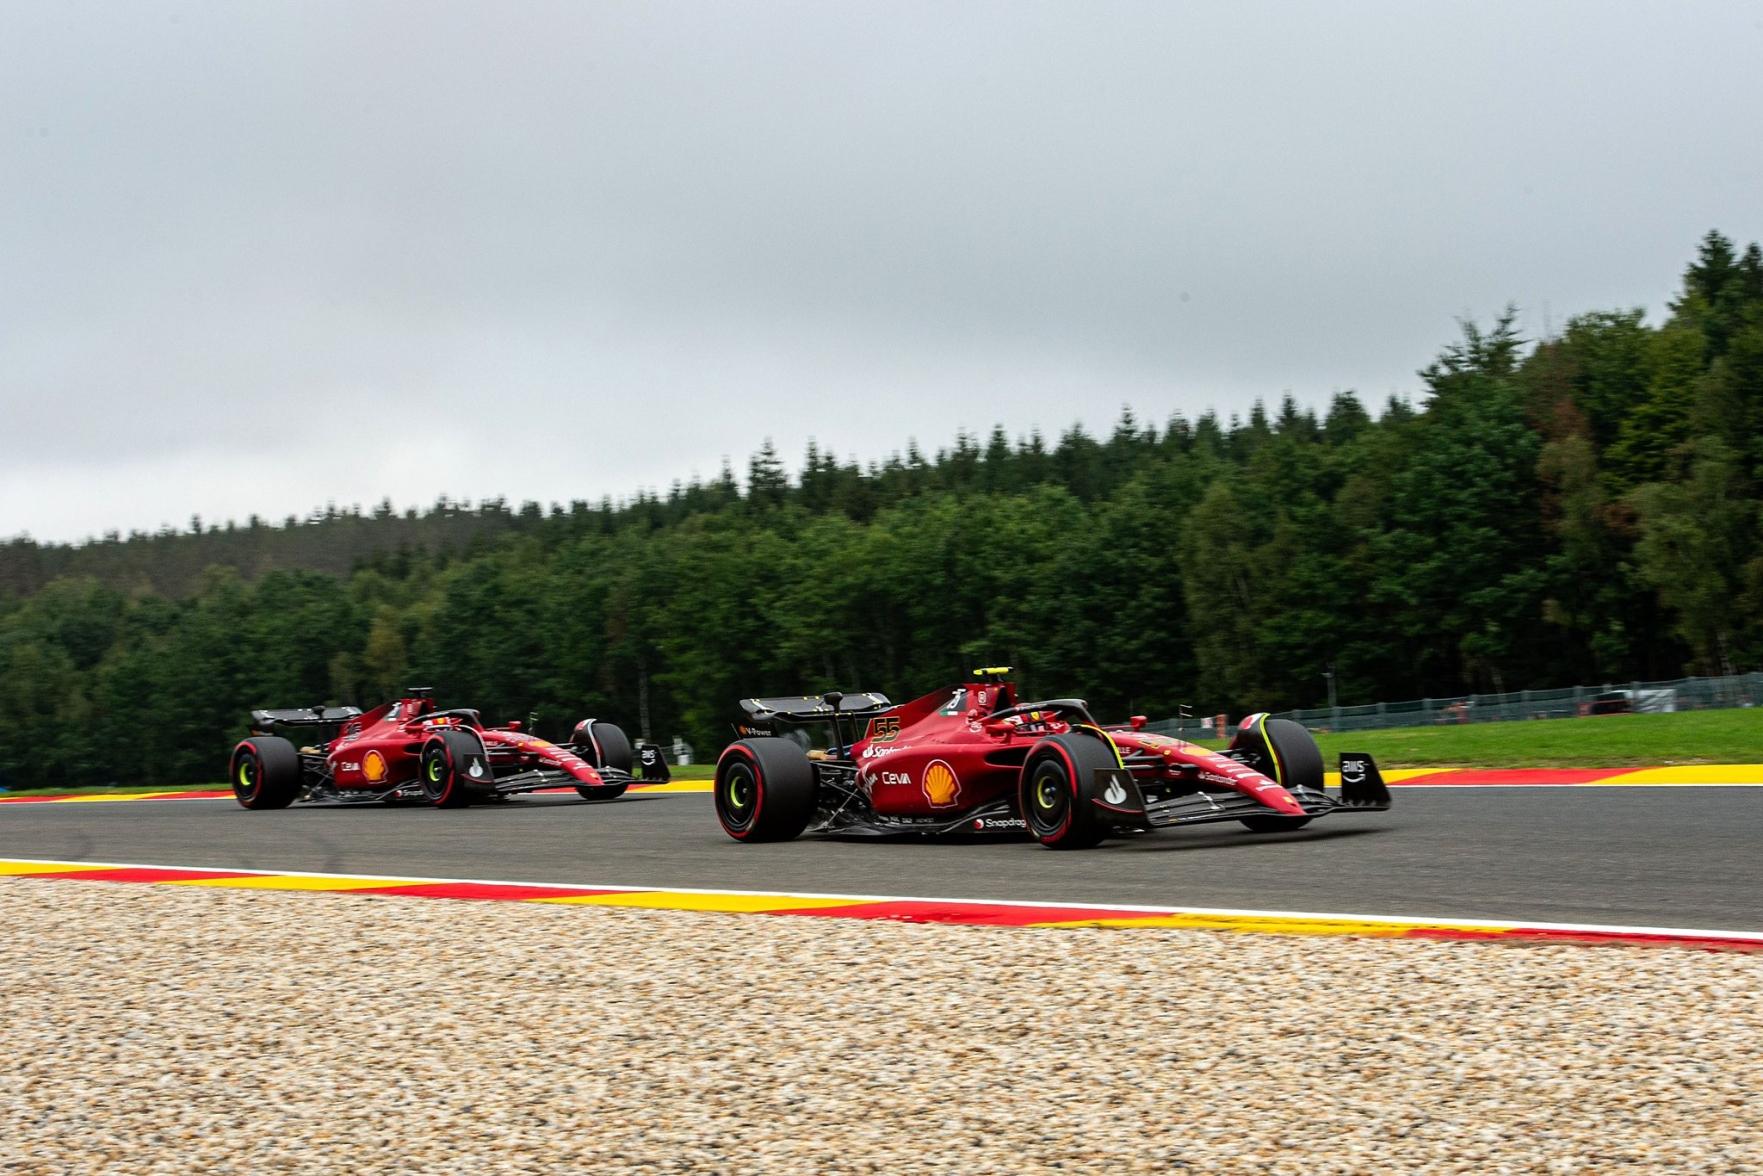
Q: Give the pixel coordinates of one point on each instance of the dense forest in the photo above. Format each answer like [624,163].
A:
[1574,509]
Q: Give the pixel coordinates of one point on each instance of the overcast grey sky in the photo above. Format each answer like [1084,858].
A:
[254,257]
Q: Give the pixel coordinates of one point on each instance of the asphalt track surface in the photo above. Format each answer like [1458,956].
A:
[1661,857]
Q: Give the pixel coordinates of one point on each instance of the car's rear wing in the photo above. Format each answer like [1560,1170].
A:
[763,716]
[265,721]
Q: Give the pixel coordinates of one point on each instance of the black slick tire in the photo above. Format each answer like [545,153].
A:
[440,766]
[1287,752]
[765,790]
[1055,789]
[604,746]
[265,772]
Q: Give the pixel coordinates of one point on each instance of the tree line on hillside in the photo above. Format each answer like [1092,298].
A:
[1579,509]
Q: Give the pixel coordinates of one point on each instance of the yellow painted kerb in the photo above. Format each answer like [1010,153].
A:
[25,869]
[661,900]
[289,882]
[1692,774]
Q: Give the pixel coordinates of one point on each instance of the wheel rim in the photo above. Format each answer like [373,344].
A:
[434,774]
[738,797]
[1049,798]
[245,778]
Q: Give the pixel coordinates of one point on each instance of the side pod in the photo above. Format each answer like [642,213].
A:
[1362,785]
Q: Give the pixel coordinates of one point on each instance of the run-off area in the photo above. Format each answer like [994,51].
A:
[170,1028]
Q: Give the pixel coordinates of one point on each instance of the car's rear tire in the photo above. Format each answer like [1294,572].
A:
[1054,790]
[603,746]
[765,790]
[441,767]
[265,772]
[1286,752]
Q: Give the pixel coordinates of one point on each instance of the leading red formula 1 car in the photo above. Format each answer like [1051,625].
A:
[973,758]
[408,750]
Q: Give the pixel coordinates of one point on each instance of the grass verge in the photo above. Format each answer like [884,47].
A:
[110,789]
[1601,741]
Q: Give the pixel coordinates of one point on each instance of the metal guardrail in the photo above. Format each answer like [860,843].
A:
[1681,694]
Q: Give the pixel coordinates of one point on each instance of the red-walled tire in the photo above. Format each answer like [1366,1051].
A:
[764,790]
[440,769]
[1054,790]
[265,772]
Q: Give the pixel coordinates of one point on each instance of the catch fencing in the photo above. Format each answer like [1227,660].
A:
[1737,690]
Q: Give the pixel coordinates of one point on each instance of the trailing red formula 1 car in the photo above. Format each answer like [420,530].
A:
[408,750]
[973,758]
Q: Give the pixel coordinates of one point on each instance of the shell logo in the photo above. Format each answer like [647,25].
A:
[941,786]
[373,766]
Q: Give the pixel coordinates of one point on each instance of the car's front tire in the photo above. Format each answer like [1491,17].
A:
[603,746]
[765,790]
[265,772]
[441,769]
[1284,751]
[1055,788]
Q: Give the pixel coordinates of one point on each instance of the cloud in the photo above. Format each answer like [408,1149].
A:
[254,260]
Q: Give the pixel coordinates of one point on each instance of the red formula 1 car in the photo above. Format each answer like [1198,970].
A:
[973,758]
[408,750]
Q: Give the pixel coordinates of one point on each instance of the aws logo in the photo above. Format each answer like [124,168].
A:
[942,788]
[373,767]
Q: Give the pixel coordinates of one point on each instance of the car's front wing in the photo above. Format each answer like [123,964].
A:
[1198,808]
[534,779]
